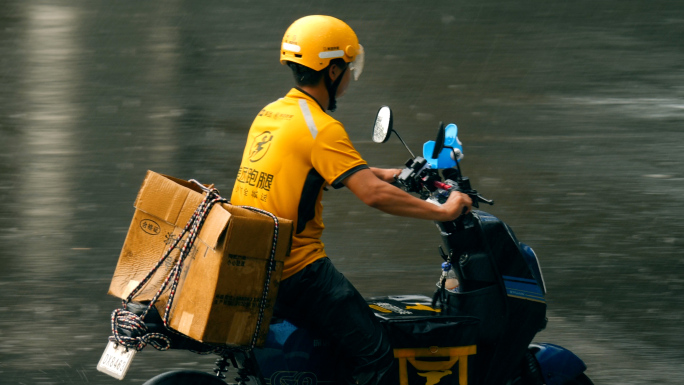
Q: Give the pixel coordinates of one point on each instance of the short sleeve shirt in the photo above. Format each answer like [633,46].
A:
[294,149]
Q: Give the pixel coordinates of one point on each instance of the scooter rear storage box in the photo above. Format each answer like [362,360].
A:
[431,348]
[222,281]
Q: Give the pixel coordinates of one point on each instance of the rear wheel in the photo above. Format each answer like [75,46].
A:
[185,377]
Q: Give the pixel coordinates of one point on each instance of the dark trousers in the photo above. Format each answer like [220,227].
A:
[320,299]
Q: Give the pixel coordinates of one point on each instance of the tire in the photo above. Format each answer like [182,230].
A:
[185,377]
[581,379]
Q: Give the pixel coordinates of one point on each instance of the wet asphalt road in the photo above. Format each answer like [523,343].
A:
[570,114]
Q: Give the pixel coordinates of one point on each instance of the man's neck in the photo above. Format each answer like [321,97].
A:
[318,92]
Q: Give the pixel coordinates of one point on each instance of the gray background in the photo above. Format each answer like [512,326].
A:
[570,114]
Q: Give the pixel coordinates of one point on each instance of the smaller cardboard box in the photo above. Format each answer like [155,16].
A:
[222,283]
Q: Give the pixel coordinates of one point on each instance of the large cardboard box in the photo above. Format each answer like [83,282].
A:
[223,278]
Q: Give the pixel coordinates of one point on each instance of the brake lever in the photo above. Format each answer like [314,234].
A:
[482,199]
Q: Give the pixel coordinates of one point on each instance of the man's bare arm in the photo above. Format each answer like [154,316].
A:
[383,196]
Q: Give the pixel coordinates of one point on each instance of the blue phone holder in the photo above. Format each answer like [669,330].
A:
[446,158]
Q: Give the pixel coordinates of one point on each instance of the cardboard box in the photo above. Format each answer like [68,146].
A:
[222,281]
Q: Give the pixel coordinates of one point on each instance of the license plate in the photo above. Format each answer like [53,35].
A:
[116,360]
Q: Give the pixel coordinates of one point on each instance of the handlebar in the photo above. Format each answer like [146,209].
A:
[418,177]
[462,186]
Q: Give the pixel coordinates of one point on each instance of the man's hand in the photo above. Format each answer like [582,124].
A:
[386,174]
[456,205]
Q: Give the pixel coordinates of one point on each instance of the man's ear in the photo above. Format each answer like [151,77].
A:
[334,71]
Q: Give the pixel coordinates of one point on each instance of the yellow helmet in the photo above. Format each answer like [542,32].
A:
[313,41]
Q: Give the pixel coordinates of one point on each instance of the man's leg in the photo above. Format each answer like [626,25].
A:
[320,299]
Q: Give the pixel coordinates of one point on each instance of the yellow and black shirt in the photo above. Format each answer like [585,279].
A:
[293,150]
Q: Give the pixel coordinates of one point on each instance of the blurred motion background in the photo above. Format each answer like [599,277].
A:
[570,113]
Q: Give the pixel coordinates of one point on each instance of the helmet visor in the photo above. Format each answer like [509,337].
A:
[356,66]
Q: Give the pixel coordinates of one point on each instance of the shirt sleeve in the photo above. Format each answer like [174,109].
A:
[334,156]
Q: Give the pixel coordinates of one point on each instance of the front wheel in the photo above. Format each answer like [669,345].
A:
[581,379]
[185,377]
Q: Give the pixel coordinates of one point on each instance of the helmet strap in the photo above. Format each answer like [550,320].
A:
[332,87]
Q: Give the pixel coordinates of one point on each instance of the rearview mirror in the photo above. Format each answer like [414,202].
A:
[383,125]
[439,142]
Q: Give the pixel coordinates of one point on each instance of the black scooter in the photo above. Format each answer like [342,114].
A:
[477,328]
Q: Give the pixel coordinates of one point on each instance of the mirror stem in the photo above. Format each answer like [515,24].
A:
[404,143]
[458,168]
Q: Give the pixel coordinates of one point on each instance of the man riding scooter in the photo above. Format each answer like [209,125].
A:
[294,150]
